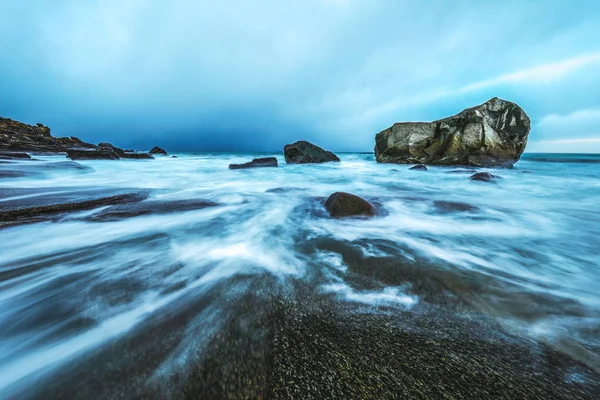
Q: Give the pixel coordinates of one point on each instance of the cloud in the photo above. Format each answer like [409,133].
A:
[579,125]
[541,74]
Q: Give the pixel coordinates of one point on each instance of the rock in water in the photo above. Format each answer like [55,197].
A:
[256,163]
[158,150]
[7,155]
[493,134]
[483,177]
[100,153]
[341,204]
[303,152]
[419,167]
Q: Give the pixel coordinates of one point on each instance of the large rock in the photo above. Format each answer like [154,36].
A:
[303,152]
[256,163]
[493,134]
[158,150]
[16,136]
[342,204]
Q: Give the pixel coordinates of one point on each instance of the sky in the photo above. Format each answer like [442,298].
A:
[250,75]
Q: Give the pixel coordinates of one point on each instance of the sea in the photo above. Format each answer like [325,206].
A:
[524,249]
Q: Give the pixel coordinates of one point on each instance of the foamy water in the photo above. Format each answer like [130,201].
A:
[528,245]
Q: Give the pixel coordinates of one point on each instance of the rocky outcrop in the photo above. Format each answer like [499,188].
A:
[341,204]
[256,163]
[16,136]
[493,134]
[419,167]
[157,150]
[303,152]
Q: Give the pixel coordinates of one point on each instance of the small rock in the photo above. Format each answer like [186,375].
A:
[256,163]
[483,177]
[341,204]
[158,150]
[419,167]
[303,152]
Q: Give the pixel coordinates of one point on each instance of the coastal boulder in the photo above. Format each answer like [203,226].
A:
[493,134]
[157,150]
[256,163]
[303,152]
[419,167]
[342,204]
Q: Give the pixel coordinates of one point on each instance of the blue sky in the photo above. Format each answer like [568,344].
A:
[254,75]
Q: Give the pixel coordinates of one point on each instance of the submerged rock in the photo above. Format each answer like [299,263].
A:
[419,167]
[41,205]
[303,152]
[100,153]
[483,177]
[149,207]
[158,150]
[256,163]
[491,134]
[342,204]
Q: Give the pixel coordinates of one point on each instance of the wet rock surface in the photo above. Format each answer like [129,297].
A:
[7,155]
[303,152]
[23,206]
[149,207]
[492,134]
[256,163]
[419,167]
[341,204]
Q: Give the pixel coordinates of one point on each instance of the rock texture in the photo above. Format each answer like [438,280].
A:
[341,204]
[493,134]
[303,152]
[158,150]
[256,163]
[16,136]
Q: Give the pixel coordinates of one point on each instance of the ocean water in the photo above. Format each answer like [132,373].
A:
[524,250]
